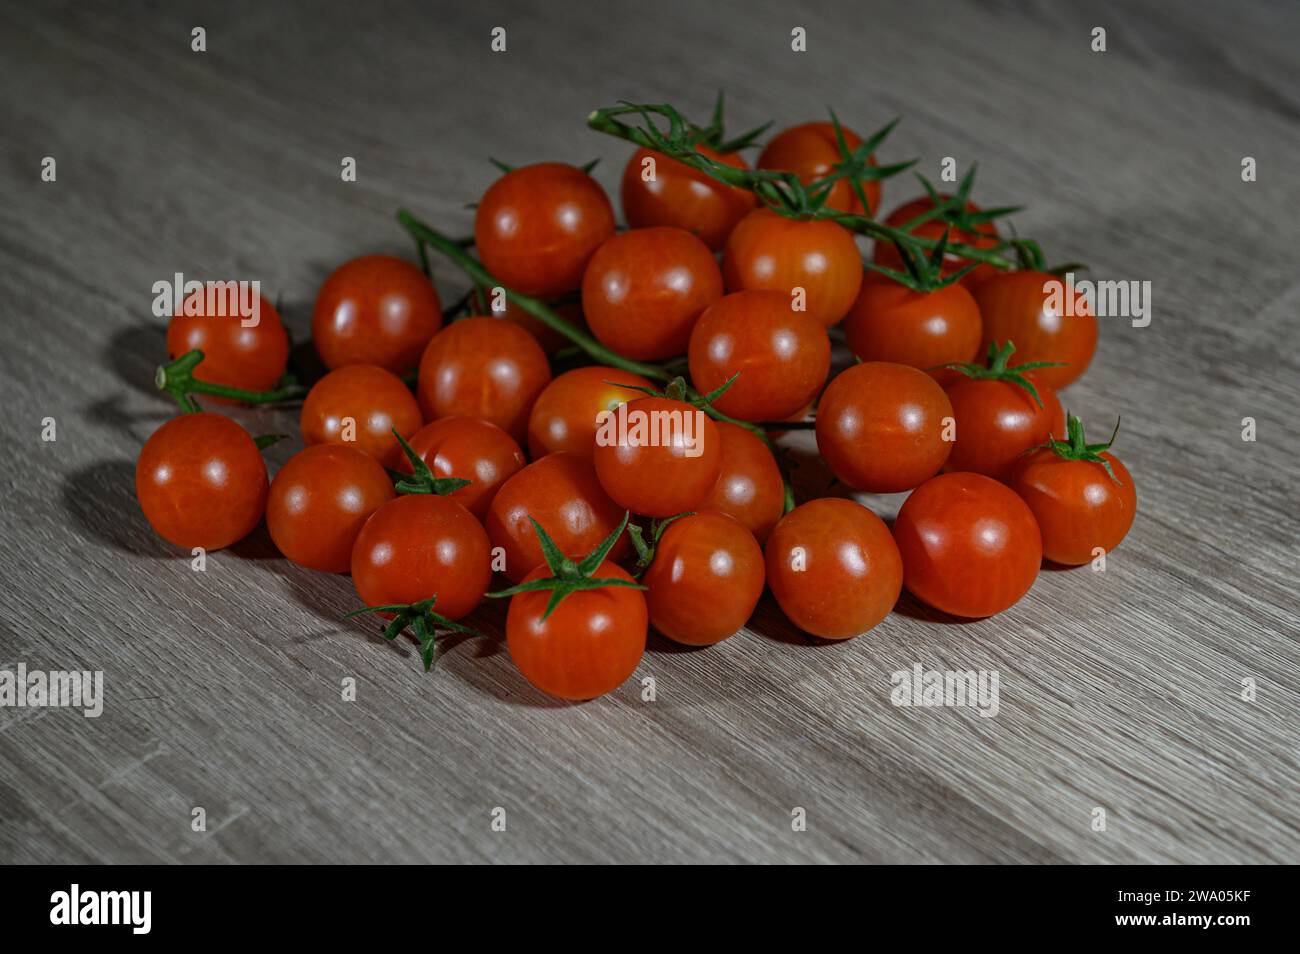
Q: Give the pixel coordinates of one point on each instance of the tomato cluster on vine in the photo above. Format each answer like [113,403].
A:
[598,422]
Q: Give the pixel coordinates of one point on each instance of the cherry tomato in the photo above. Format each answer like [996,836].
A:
[418,546]
[833,568]
[201,481]
[812,151]
[472,449]
[770,251]
[782,356]
[986,236]
[319,501]
[970,546]
[643,291]
[880,427]
[481,367]
[537,226]
[588,646]
[375,309]
[560,492]
[252,358]
[680,196]
[359,405]
[546,336]
[657,456]
[705,580]
[997,421]
[1076,503]
[749,487]
[564,416]
[890,322]
[1015,307]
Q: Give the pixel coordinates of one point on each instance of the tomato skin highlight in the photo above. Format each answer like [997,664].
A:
[782,356]
[537,226]
[420,545]
[472,449]
[588,646]
[771,252]
[970,546]
[890,322]
[997,422]
[682,197]
[643,290]
[201,481]
[1077,505]
[833,568]
[485,368]
[564,416]
[811,151]
[376,309]
[1014,308]
[643,474]
[880,427]
[560,492]
[252,359]
[319,501]
[375,399]
[705,580]
[749,488]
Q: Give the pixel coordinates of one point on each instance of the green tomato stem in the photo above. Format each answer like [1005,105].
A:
[177,379]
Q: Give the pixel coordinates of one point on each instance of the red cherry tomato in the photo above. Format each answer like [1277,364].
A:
[537,226]
[251,358]
[880,427]
[705,580]
[672,193]
[201,481]
[970,546]
[770,251]
[481,367]
[890,322]
[657,457]
[378,310]
[997,421]
[1016,308]
[588,646]
[986,236]
[564,416]
[643,291]
[749,487]
[782,356]
[419,546]
[546,336]
[560,492]
[1076,503]
[359,405]
[319,501]
[471,449]
[812,151]
[833,568]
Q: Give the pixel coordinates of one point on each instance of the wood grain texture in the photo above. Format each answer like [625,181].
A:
[1119,690]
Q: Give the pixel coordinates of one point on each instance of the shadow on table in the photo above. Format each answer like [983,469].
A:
[101,504]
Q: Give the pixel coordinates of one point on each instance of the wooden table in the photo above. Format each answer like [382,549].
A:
[1120,690]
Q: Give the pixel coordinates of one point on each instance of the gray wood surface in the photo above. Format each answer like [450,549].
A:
[1119,690]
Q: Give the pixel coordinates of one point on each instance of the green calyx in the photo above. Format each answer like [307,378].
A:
[422,480]
[1076,447]
[997,369]
[678,390]
[645,551]
[566,575]
[713,135]
[424,623]
[923,272]
[177,379]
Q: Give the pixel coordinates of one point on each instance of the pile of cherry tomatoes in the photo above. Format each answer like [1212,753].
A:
[443,448]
